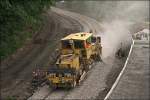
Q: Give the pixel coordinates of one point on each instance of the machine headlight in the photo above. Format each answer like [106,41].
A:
[52,75]
[67,74]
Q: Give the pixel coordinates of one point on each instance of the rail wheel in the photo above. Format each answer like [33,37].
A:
[74,84]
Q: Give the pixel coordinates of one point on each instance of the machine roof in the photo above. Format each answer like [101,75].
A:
[78,36]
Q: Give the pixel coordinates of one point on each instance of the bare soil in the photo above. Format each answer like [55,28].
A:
[16,71]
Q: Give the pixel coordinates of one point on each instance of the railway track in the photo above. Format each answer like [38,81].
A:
[46,93]
[94,86]
[98,83]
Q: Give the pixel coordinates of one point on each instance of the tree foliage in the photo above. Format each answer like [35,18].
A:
[16,18]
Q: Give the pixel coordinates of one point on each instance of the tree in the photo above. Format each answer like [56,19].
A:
[15,17]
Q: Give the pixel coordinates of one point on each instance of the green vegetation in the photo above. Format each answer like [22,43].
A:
[11,98]
[19,19]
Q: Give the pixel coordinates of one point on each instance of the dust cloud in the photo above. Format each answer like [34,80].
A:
[118,22]
[116,35]
[117,18]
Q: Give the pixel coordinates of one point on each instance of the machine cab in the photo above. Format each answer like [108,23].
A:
[79,42]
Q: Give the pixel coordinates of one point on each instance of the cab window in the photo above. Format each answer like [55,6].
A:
[93,39]
[78,44]
[66,44]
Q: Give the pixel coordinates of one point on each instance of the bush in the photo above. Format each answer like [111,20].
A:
[18,21]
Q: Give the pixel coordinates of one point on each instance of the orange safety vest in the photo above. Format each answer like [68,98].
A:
[87,45]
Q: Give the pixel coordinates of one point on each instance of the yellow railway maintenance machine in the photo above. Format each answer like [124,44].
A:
[77,53]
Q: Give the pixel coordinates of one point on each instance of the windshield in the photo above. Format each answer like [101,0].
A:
[78,44]
[66,44]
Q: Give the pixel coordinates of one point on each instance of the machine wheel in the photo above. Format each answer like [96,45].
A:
[74,84]
[77,80]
